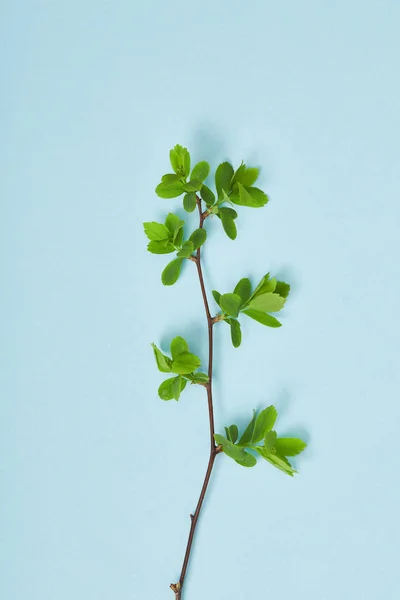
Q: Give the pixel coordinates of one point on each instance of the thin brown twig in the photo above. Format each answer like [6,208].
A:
[214,450]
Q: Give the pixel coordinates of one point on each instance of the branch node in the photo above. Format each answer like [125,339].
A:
[175,587]
[191,517]
[218,449]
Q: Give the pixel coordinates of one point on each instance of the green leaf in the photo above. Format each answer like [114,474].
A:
[171,272]
[156,231]
[269,441]
[199,378]
[259,198]
[233,433]
[228,223]
[290,446]
[230,449]
[248,433]
[185,363]
[198,237]
[174,224]
[216,296]
[163,362]
[223,177]
[180,160]
[282,289]
[200,171]
[266,285]
[178,345]
[160,247]
[177,386]
[280,462]
[248,196]
[243,289]
[269,302]
[171,186]
[236,333]
[246,175]
[262,318]
[264,423]
[166,391]
[230,303]
[226,210]
[186,250]
[207,195]
[189,202]
[247,460]
[194,185]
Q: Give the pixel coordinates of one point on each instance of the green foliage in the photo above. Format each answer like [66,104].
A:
[189,202]
[274,450]
[180,160]
[230,304]
[164,238]
[183,364]
[228,216]
[223,178]
[243,289]
[198,237]
[207,195]
[200,171]
[268,296]
[171,272]
[236,333]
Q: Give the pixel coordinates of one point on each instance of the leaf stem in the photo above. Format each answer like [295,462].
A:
[214,450]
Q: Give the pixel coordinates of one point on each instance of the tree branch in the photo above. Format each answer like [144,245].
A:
[214,450]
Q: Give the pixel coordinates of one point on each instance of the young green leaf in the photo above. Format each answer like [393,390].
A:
[166,391]
[228,222]
[233,433]
[200,171]
[223,177]
[199,378]
[178,345]
[264,423]
[171,272]
[246,175]
[174,224]
[171,186]
[236,333]
[230,449]
[194,185]
[290,446]
[189,202]
[186,250]
[177,387]
[268,302]
[160,247]
[230,303]
[180,160]
[198,238]
[156,231]
[207,195]
[248,433]
[185,363]
[269,441]
[243,289]
[280,462]
[216,296]
[262,318]
[265,286]
[163,362]
[248,196]
[247,460]
[282,289]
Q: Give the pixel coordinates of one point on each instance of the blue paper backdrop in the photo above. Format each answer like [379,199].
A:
[98,475]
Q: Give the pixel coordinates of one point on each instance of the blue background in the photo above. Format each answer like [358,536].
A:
[98,475]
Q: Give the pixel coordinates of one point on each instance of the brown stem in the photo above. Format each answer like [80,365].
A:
[214,450]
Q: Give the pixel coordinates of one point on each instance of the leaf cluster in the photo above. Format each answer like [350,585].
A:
[183,364]
[168,237]
[260,437]
[269,296]
[232,187]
